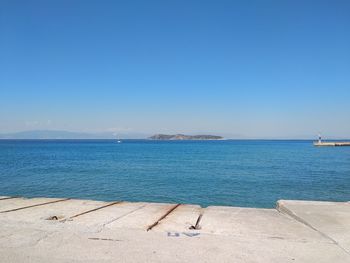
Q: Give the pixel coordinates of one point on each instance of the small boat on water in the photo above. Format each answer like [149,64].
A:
[118,140]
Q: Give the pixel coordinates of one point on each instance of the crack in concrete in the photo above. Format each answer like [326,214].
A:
[119,217]
[298,219]
[104,239]
[44,237]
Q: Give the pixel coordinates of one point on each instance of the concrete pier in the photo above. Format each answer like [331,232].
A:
[331,144]
[68,230]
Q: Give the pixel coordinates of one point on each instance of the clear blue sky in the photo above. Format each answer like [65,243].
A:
[250,69]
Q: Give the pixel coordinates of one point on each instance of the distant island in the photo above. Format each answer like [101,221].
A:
[184,137]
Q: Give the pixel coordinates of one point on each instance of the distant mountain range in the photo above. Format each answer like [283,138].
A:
[56,134]
[184,137]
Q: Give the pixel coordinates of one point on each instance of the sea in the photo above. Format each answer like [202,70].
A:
[245,173]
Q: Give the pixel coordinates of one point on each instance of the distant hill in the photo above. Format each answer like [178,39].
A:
[184,137]
[56,134]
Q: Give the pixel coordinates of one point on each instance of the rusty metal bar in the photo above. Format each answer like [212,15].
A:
[196,226]
[30,206]
[162,217]
[6,198]
[95,209]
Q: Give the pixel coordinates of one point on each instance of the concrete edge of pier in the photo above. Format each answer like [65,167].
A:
[74,230]
[321,144]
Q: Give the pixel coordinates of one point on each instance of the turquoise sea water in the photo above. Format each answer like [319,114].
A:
[235,172]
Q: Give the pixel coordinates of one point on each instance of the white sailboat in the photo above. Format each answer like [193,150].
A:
[118,140]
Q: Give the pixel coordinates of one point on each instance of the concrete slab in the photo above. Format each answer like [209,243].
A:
[256,223]
[16,203]
[181,219]
[54,211]
[41,244]
[142,218]
[117,234]
[330,218]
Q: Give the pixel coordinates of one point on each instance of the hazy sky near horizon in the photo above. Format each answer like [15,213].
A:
[251,69]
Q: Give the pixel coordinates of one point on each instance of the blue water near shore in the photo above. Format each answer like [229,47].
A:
[249,173]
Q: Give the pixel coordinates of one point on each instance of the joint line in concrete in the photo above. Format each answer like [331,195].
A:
[119,217]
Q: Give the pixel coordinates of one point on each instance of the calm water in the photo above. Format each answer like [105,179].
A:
[238,173]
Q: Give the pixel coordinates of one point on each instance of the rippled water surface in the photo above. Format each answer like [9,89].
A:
[238,173]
